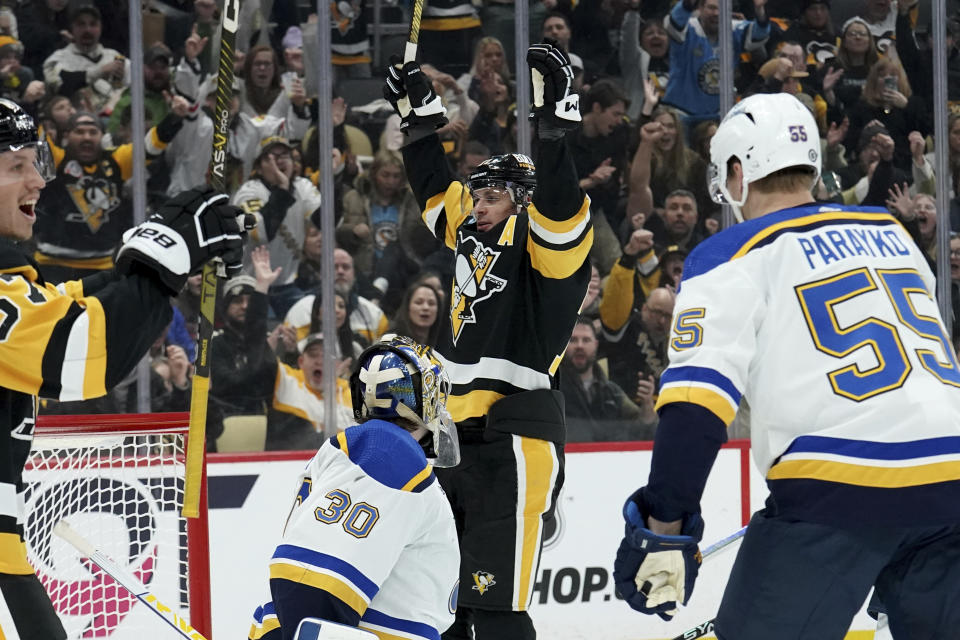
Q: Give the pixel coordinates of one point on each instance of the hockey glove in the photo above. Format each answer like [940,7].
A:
[551,75]
[411,93]
[184,233]
[654,572]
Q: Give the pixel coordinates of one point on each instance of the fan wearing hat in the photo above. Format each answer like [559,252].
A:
[156,82]
[82,212]
[814,32]
[284,205]
[85,62]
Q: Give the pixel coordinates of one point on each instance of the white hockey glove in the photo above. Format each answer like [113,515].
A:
[654,573]
[411,93]
[551,75]
[184,233]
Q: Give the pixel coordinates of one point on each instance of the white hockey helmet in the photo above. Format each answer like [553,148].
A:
[766,132]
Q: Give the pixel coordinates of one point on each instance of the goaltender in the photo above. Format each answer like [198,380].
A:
[521,236]
[74,340]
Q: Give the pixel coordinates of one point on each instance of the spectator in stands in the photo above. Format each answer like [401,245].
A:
[663,163]
[85,62]
[349,40]
[308,272]
[171,368]
[188,305]
[700,138]
[43,28]
[916,55]
[156,85]
[498,18]
[599,148]
[284,206]
[418,315]
[490,125]
[367,321]
[488,55]
[56,119]
[644,57]
[16,81]
[886,98]
[597,409]
[82,214]
[379,211]
[590,308]
[593,23]
[448,31]
[694,67]
[814,32]
[844,76]
[635,343]
[925,208]
[476,152]
[880,16]
[556,26]
[868,180]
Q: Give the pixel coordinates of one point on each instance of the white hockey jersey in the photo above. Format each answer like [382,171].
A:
[822,321]
[367,320]
[371,534]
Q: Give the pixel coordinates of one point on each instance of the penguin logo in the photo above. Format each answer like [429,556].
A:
[482,581]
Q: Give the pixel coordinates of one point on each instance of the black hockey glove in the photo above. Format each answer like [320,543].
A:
[411,93]
[554,101]
[184,233]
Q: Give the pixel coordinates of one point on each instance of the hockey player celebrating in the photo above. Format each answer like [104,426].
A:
[521,236]
[74,341]
[370,541]
[816,324]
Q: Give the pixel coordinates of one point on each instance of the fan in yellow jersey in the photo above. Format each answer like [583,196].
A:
[76,340]
[521,237]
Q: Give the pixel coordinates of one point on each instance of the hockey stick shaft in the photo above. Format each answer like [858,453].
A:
[704,628]
[127,581]
[413,39]
[197,440]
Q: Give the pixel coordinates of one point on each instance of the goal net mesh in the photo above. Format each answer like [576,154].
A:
[123,492]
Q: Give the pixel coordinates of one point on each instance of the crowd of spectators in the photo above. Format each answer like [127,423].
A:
[648,72]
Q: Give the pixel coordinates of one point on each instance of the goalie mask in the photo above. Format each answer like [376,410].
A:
[18,131]
[513,172]
[398,378]
[766,132]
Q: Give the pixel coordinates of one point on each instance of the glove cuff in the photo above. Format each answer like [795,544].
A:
[161,249]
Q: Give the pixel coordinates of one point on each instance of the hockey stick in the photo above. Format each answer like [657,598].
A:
[704,628]
[197,440]
[410,50]
[127,581]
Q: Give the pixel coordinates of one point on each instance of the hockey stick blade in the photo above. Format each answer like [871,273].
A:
[127,580]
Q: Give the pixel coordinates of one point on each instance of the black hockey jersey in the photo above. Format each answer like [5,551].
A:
[517,287]
[449,15]
[69,342]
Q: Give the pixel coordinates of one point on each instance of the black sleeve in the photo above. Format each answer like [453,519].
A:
[428,171]
[72,81]
[558,195]
[275,210]
[97,282]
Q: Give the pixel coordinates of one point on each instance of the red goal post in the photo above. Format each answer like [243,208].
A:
[119,481]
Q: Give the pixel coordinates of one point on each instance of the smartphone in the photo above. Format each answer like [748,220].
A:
[891,83]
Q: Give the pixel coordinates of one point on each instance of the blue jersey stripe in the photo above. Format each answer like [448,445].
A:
[701,374]
[317,559]
[876,450]
[408,626]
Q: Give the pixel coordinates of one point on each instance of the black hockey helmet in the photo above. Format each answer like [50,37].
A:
[512,171]
[18,130]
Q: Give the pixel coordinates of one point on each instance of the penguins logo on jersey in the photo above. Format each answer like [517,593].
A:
[473,283]
[94,198]
[482,581]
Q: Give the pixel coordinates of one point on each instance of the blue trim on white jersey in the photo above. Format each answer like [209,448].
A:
[381,619]
[701,374]
[324,561]
[721,247]
[387,453]
[876,450]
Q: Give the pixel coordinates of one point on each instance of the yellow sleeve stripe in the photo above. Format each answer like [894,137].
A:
[616,303]
[268,625]
[472,404]
[432,212]
[71,289]
[559,264]
[571,227]
[706,398]
[325,582]
[417,479]
[155,145]
[342,440]
[13,555]
[865,475]
[804,221]
[94,378]
[123,156]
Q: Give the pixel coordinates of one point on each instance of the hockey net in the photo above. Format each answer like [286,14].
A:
[118,481]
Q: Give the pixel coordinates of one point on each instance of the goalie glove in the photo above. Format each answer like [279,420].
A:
[655,572]
[552,78]
[184,233]
[411,93]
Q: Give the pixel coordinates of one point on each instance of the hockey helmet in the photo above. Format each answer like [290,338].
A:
[399,378]
[766,132]
[18,131]
[513,172]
